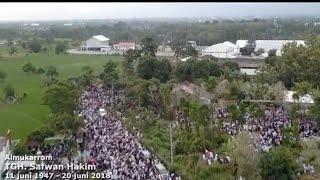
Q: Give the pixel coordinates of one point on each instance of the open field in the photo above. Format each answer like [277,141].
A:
[24,118]
[4,52]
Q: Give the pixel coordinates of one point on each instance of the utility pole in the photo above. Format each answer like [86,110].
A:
[318,72]
[139,128]
[139,101]
[112,96]
[171,149]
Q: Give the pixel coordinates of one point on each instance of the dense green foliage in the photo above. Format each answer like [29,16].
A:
[278,164]
[110,73]
[184,51]
[149,46]
[51,71]
[149,67]
[62,97]
[193,69]
[41,134]
[60,48]
[20,149]
[28,67]
[86,77]
[35,46]
[297,64]
[64,123]
[211,83]
[13,50]
[8,91]
[41,70]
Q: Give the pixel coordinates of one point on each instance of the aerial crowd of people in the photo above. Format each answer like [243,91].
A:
[113,149]
[109,145]
[269,126]
[106,143]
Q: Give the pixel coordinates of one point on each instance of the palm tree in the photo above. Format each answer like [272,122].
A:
[295,123]
[302,89]
[12,50]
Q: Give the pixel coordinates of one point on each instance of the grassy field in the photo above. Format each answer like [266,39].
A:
[4,51]
[30,114]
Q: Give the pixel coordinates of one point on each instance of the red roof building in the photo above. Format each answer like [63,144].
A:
[124,46]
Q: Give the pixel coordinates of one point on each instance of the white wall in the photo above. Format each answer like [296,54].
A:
[126,47]
[220,54]
[106,49]
[93,42]
[237,51]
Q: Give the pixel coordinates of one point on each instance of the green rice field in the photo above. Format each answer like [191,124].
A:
[31,114]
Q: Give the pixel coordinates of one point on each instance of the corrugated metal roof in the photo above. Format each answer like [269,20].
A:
[268,45]
[230,44]
[221,47]
[101,38]
[241,43]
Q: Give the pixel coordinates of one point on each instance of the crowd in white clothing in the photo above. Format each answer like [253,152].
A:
[269,126]
[109,145]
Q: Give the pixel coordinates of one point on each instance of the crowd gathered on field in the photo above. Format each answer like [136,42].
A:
[269,126]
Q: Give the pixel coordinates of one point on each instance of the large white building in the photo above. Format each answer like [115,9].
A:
[96,43]
[242,43]
[268,45]
[222,50]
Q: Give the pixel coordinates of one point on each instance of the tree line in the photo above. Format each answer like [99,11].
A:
[177,33]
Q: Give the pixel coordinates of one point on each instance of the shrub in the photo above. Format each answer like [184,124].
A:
[28,67]
[60,48]
[8,91]
[280,163]
[3,75]
[40,71]
[35,46]
[20,149]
